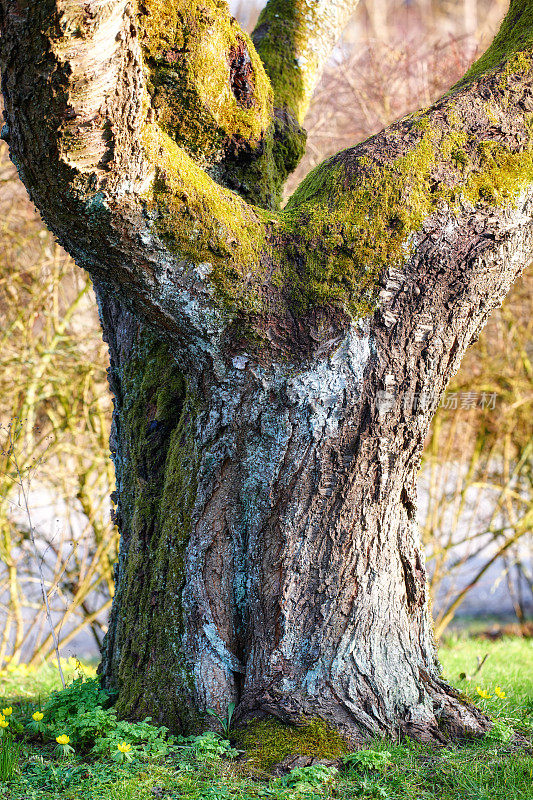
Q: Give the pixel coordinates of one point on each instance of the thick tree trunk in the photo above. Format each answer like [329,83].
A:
[270,554]
[274,372]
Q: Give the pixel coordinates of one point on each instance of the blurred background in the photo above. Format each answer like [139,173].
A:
[56,477]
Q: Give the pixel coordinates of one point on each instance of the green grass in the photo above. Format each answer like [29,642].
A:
[23,683]
[492,769]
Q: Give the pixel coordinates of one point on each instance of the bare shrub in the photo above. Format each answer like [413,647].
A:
[54,413]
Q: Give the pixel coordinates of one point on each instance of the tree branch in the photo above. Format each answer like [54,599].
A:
[464,164]
[515,36]
[208,87]
[294,39]
[80,82]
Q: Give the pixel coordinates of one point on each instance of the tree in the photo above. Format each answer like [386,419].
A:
[274,371]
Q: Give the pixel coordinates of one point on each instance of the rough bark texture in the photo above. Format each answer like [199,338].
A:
[265,363]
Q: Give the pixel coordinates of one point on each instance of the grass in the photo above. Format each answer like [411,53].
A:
[509,664]
[21,683]
[492,769]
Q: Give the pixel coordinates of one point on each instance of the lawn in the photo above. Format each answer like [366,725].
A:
[210,768]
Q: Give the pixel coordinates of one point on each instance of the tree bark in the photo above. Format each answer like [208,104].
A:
[274,373]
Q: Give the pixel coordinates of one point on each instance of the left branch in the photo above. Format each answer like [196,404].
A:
[73,90]
[122,197]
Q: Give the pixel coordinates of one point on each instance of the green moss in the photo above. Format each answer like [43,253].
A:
[492,113]
[347,221]
[512,42]
[156,473]
[350,231]
[286,37]
[259,175]
[276,40]
[350,218]
[517,65]
[187,53]
[268,741]
[421,121]
[205,222]
[186,50]
[503,175]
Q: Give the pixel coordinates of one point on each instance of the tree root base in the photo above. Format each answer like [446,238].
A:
[449,717]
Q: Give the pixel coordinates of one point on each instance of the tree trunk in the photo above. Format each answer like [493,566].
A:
[274,371]
[270,554]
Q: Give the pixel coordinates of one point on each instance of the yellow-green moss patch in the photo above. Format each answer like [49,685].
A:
[205,222]
[268,741]
[187,48]
[279,24]
[512,42]
[282,39]
[353,216]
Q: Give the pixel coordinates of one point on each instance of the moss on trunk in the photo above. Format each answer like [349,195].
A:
[155,415]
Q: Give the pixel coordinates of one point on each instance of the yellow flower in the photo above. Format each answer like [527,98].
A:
[498,691]
[4,723]
[123,747]
[37,716]
[63,739]
[483,693]
[7,711]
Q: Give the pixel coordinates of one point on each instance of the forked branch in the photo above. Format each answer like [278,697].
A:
[99,152]
[124,121]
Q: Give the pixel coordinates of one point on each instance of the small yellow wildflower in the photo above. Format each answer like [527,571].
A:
[498,691]
[6,712]
[483,693]
[4,723]
[123,747]
[37,717]
[63,739]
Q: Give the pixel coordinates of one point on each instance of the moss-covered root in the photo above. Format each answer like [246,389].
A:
[269,741]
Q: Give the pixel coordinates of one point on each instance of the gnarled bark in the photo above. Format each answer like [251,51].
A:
[265,363]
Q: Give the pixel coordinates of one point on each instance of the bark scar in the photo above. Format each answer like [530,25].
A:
[242,75]
[414,579]
[408,504]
